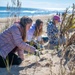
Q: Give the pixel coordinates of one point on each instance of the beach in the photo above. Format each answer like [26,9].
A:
[4,22]
[47,64]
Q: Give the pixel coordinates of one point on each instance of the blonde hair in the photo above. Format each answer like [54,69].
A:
[38,31]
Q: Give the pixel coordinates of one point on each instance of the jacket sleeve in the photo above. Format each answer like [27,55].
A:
[20,53]
[18,40]
[30,33]
[51,31]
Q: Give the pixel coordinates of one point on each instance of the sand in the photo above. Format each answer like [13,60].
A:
[47,64]
[31,66]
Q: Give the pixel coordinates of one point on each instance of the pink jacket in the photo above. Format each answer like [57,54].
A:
[11,38]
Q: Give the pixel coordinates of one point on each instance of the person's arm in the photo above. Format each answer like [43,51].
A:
[19,42]
[20,53]
[50,31]
[30,33]
[55,31]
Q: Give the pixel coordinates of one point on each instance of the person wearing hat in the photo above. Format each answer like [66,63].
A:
[53,32]
[35,32]
[13,40]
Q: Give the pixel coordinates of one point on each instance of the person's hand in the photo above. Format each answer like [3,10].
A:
[32,50]
[37,53]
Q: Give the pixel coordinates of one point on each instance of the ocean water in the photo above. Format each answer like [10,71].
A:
[23,12]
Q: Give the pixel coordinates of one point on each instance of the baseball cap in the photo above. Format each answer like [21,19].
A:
[56,17]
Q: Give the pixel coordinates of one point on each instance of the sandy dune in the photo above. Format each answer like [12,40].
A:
[47,64]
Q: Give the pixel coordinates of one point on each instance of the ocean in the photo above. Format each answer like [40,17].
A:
[4,12]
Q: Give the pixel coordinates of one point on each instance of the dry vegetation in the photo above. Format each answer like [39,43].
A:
[49,63]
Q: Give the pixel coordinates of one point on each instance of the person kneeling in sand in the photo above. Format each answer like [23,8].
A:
[13,40]
[34,33]
[53,32]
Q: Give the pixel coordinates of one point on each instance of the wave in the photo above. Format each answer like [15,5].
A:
[25,11]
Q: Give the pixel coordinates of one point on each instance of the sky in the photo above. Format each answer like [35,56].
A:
[43,4]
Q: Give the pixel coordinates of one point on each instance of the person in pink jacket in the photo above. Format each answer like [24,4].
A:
[13,40]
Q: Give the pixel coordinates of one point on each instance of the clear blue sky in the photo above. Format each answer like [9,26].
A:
[45,4]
